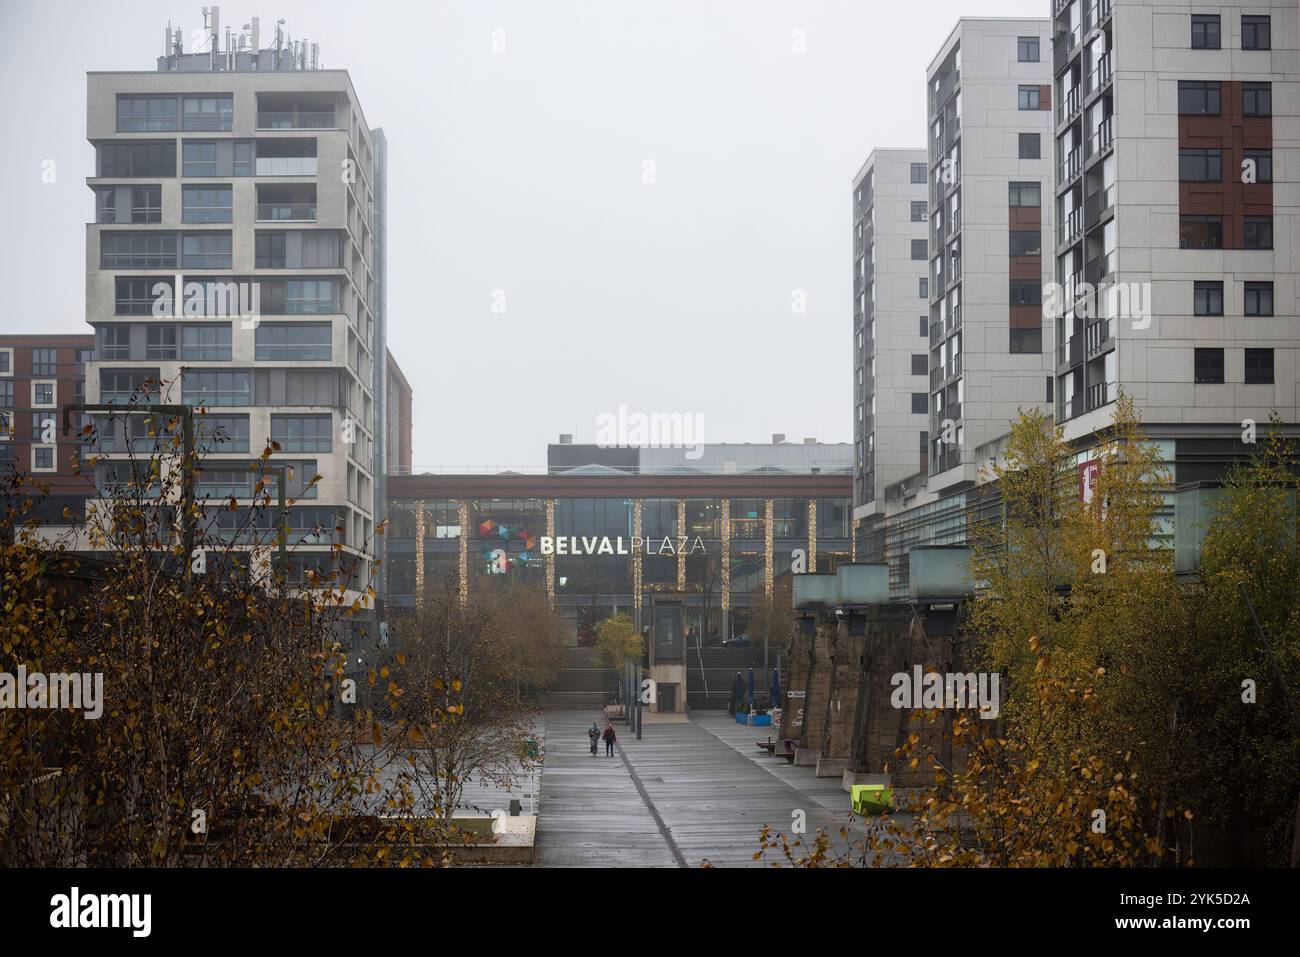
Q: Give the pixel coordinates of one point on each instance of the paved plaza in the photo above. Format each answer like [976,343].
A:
[687,793]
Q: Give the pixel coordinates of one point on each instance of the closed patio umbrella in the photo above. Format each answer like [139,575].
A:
[776,687]
[751,688]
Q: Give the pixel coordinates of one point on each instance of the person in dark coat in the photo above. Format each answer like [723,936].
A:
[593,736]
[610,738]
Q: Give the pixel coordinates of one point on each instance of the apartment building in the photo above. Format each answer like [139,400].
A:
[1179,155]
[891,324]
[988,203]
[232,263]
[39,374]
[398,403]
[990,126]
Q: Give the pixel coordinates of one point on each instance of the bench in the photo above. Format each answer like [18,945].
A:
[769,745]
[788,753]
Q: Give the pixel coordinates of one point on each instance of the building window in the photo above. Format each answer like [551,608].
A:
[221,433]
[113,342]
[6,362]
[198,159]
[296,341]
[1261,161]
[1259,299]
[1027,49]
[146,114]
[1259,366]
[206,250]
[206,204]
[1024,194]
[1051,389]
[212,387]
[1026,242]
[270,250]
[1031,146]
[207,112]
[1257,99]
[146,204]
[125,385]
[43,393]
[925,325]
[920,363]
[244,165]
[1207,298]
[45,362]
[920,403]
[918,172]
[1257,232]
[1029,98]
[1026,292]
[918,210]
[209,343]
[1256,33]
[43,458]
[137,250]
[1205,32]
[106,204]
[1200,165]
[1209,366]
[924,288]
[135,297]
[303,433]
[1200,232]
[160,342]
[1199,98]
[918,249]
[1026,342]
[138,159]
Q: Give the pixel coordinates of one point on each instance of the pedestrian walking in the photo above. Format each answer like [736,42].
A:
[593,736]
[610,738]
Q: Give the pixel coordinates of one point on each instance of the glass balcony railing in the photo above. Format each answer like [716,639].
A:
[286,166]
[295,120]
[286,212]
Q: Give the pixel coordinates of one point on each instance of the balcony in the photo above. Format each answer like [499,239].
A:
[936,333]
[1072,166]
[286,166]
[1071,228]
[1098,335]
[1069,106]
[295,120]
[1100,267]
[1104,138]
[1070,352]
[1101,74]
[287,203]
[286,212]
[1103,393]
[1097,205]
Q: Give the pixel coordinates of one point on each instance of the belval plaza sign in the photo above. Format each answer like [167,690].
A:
[604,545]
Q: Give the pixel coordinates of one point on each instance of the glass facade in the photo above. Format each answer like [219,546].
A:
[601,555]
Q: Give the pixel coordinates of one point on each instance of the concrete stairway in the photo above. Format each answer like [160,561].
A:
[719,673]
[580,684]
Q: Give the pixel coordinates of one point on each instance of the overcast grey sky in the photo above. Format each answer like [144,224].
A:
[523,171]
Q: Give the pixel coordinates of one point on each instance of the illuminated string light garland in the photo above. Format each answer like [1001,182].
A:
[726,554]
[768,514]
[550,558]
[681,552]
[419,553]
[812,534]
[462,516]
[636,557]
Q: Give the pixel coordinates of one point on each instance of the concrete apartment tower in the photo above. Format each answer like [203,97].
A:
[1179,153]
[891,324]
[988,202]
[242,162]
[990,127]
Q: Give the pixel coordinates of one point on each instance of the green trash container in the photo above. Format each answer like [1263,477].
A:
[872,799]
[531,744]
